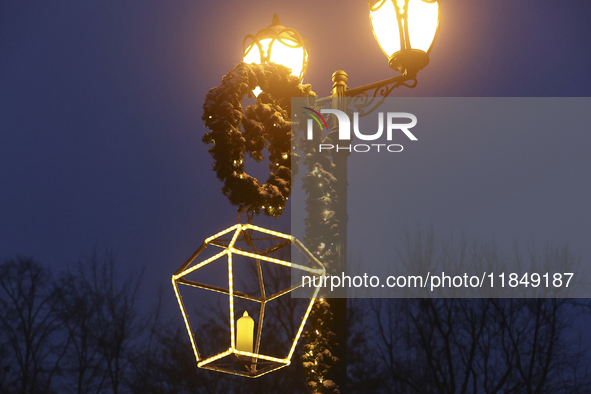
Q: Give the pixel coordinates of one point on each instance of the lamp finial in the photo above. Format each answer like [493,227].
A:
[276,20]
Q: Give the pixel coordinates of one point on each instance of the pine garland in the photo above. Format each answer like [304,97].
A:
[235,132]
[322,230]
[317,359]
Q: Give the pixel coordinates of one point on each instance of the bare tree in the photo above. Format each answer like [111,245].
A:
[31,341]
[474,345]
[99,315]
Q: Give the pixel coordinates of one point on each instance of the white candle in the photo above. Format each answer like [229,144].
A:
[244,333]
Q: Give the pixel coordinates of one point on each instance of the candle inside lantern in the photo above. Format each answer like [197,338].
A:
[244,333]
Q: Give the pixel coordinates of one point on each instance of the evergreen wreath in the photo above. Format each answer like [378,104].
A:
[235,131]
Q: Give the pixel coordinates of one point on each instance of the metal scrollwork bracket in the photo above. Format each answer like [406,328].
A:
[366,99]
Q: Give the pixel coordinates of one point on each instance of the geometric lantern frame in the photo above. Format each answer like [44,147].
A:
[234,361]
[278,44]
[406,31]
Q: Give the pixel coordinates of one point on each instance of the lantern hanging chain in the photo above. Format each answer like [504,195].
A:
[244,212]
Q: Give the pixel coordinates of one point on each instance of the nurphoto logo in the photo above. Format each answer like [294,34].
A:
[393,124]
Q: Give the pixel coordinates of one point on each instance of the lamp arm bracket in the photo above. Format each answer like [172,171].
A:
[362,91]
[366,98]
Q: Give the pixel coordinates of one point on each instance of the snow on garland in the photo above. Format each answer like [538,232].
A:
[318,361]
[321,234]
[235,131]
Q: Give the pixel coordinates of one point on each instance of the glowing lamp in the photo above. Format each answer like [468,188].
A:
[406,31]
[278,44]
[239,246]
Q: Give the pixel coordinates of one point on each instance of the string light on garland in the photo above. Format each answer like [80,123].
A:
[236,132]
[322,229]
[318,360]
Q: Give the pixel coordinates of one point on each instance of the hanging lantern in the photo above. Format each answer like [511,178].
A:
[241,245]
[406,31]
[278,44]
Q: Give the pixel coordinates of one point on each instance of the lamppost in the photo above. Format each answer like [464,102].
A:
[405,31]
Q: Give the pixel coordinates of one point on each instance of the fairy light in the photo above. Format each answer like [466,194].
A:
[196,267]
[219,290]
[295,342]
[261,356]
[187,325]
[306,252]
[276,261]
[231,288]
[241,373]
[233,241]
[264,230]
[215,358]
[226,231]
[229,250]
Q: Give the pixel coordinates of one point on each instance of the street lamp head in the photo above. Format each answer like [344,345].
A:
[278,44]
[406,31]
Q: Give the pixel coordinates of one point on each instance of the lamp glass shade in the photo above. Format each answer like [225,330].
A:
[385,27]
[406,31]
[280,45]
[287,53]
[423,19]
[253,55]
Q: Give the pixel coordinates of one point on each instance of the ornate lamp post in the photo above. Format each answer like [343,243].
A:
[405,30]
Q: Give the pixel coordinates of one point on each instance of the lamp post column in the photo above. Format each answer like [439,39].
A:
[339,305]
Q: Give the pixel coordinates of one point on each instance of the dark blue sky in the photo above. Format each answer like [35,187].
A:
[100,105]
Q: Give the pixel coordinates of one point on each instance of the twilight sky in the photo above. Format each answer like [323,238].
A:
[100,106]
